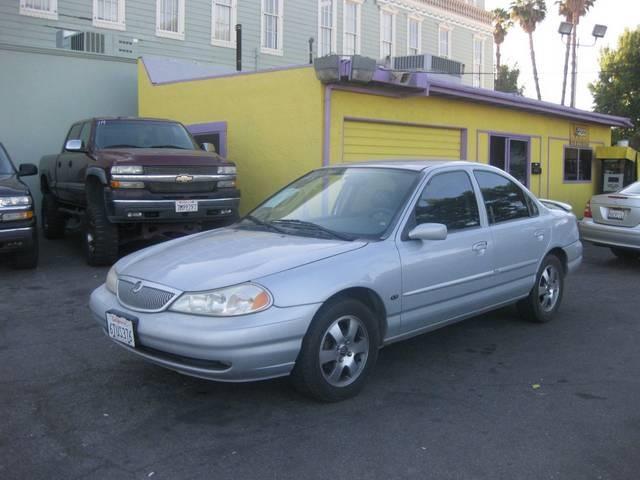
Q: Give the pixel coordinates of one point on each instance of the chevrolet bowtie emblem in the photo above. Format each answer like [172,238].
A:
[184,178]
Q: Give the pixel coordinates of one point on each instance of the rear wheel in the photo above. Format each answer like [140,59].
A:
[100,236]
[546,295]
[338,352]
[53,222]
[625,253]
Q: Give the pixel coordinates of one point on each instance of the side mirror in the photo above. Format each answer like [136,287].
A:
[27,169]
[74,146]
[208,147]
[429,231]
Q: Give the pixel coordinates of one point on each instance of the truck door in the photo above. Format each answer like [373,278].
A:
[77,164]
[63,164]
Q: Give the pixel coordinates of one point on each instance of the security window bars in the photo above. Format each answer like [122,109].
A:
[413,36]
[351,40]
[387,27]
[223,20]
[39,8]
[272,26]
[108,14]
[170,19]
[478,61]
[327,27]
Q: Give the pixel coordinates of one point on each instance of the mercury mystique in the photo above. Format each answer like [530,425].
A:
[341,262]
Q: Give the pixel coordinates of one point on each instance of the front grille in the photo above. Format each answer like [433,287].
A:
[180,170]
[195,187]
[146,299]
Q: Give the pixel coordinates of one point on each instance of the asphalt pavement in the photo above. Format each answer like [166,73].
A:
[493,397]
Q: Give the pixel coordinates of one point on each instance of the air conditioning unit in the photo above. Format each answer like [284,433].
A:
[90,42]
[429,63]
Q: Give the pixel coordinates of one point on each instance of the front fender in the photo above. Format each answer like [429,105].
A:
[97,173]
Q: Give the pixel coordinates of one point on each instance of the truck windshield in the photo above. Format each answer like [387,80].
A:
[6,168]
[141,134]
[344,203]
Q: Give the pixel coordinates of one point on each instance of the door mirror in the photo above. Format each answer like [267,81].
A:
[429,231]
[74,146]
[27,169]
[208,147]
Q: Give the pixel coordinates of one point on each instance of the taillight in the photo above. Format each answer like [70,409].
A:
[587,210]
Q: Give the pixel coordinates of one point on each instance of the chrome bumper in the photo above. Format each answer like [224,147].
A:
[609,235]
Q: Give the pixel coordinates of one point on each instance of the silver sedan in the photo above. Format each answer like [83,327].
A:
[341,262]
[613,220]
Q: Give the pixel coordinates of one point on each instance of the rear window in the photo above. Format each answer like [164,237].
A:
[633,189]
[141,134]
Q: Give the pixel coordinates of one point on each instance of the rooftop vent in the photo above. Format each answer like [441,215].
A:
[429,63]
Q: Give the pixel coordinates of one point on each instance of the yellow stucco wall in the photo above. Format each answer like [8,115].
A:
[275,127]
[274,122]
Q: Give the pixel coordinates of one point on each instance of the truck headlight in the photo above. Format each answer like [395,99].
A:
[112,280]
[224,302]
[126,170]
[227,170]
[21,201]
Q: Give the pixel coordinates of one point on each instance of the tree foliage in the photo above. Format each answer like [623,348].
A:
[501,24]
[617,90]
[507,80]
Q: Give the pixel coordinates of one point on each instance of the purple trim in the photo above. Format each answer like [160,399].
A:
[214,127]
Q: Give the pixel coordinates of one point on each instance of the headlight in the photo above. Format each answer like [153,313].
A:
[225,302]
[21,201]
[112,280]
[227,170]
[126,170]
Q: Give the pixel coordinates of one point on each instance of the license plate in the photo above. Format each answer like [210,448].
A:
[120,329]
[615,214]
[186,206]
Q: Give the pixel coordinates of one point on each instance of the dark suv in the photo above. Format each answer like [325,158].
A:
[123,179]
[18,233]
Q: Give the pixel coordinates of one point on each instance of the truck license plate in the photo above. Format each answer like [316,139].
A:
[120,329]
[615,214]
[186,206]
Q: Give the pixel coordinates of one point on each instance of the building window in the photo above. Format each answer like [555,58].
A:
[40,8]
[223,20]
[387,33]
[478,61]
[170,19]
[351,27]
[108,14]
[414,35]
[327,27]
[577,164]
[272,26]
[444,41]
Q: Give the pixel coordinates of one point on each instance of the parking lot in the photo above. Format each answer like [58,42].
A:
[492,397]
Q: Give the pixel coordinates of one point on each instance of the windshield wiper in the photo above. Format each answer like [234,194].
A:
[313,226]
[169,146]
[262,223]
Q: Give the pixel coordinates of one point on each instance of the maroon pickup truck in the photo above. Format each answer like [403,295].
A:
[124,179]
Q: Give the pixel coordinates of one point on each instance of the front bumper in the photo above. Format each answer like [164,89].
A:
[149,208]
[609,235]
[17,238]
[238,349]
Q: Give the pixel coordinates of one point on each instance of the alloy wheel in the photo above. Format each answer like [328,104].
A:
[549,288]
[344,351]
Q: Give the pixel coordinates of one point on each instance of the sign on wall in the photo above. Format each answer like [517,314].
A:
[579,136]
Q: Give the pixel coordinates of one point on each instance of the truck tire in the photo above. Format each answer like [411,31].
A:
[53,222]
[100,237]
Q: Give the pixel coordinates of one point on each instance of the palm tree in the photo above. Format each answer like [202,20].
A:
[501,24]
[529,13]
[572,10]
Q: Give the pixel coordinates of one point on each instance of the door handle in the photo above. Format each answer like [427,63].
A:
[70,162]
[60,164]
[539,234]
[479,247]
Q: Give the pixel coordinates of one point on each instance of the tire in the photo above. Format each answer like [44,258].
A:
[53,222]
[546,296]
[100,237]
[345,334]
[26,259]
[625,253]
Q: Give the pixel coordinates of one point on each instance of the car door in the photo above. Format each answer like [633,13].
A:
[520,234]
[445,279]
[64,183]
[77,164]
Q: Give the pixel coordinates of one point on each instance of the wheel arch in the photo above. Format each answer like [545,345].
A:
[561,255]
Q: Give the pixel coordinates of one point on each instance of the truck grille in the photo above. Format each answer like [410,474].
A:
[180,170]
[147,299]
[198,187]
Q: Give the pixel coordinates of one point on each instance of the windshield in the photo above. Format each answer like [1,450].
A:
[345,203]
[6,168]
[633,189]
[141,134]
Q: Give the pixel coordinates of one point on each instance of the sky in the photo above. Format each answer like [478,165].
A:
[616,14]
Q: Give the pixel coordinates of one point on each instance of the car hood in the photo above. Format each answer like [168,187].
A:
[158,156]
[10,185]
[227,256]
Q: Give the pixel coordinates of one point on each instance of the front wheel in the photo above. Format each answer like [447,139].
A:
[546,295]
[338,352]
[100,236]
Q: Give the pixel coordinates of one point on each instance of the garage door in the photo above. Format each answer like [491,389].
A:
[378,140]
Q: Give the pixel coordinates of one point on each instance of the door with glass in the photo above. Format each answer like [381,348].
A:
[511,154]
